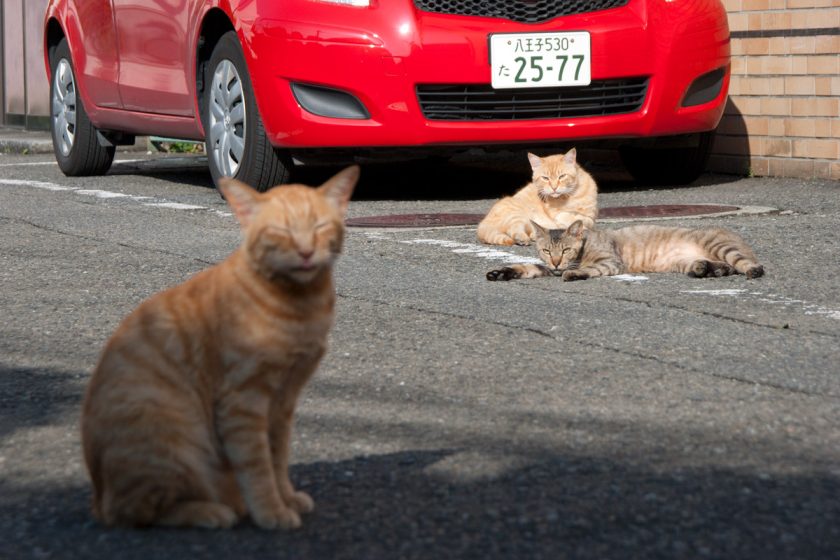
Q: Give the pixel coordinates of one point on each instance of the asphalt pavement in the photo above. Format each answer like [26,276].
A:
[650,416]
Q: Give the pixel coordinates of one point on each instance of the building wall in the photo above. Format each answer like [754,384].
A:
[783,116]
[25,91]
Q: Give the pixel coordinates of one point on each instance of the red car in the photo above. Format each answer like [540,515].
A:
[264,81]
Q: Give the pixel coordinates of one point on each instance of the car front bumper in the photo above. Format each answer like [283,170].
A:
[380,55]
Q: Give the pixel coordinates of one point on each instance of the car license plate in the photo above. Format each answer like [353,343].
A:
[531,60]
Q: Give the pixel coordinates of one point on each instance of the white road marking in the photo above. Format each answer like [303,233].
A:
[35,184]
[630,278]
[102,194]
[773,299]
[715,292]
[175,205]
[483,251]
[39,163]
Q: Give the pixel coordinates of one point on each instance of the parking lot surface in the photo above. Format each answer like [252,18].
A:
[647,416]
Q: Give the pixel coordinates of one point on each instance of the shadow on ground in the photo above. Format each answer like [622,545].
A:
[31,397]
[463,178]
[392,506]
[432,503]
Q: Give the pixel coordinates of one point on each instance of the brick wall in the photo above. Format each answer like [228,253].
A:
[783,115]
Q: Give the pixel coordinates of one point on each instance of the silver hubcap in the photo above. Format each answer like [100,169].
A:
[227,119]
[64,107]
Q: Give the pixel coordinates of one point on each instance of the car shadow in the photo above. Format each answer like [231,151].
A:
[469,176]
[182,169]
[731,152]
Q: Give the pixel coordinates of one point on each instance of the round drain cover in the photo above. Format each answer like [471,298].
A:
[625,212]
[664,210]
[416,220]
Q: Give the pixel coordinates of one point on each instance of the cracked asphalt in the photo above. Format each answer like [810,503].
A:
[654,416]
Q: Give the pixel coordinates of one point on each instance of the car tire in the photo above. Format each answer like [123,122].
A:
[668,166]
[235,139]
[75,140]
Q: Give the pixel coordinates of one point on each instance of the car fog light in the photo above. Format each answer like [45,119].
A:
[705,88]
[328,102]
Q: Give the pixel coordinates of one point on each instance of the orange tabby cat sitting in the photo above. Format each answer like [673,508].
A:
[188,416]
[559,193]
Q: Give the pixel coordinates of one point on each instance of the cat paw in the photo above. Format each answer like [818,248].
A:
[722,269]
[571,275]
[505,273]
[285,518]
[301,502]
[205,515]
[755,271]
[221,517]
[699,269]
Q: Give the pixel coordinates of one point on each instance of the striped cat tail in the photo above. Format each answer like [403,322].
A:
[134,501]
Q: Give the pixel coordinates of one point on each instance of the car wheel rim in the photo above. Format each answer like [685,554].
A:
[64,107]
[227,119]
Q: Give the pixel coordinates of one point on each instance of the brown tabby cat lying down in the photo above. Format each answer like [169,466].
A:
[559,193]
[579,253]
[188,416]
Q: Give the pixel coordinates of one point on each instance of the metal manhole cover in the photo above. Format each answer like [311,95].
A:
[664,210]
[416,220]
[619,212]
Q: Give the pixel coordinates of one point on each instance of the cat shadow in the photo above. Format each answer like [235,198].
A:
[425,503]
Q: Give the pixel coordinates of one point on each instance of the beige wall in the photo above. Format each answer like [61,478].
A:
[783,116]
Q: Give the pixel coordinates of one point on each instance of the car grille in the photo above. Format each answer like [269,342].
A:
[483,103]
[525,11]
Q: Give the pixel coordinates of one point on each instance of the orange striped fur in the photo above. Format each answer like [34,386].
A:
[559,193]
[188,416]
[579,253]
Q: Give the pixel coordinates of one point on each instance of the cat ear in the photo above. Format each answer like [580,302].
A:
[576,230]
[243,200]
[571,156]
[339,188]
[536,161]
[541,231]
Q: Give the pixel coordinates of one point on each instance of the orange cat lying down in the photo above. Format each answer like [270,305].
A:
[188,416]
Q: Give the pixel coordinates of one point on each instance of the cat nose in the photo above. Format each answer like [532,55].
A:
[305,253]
